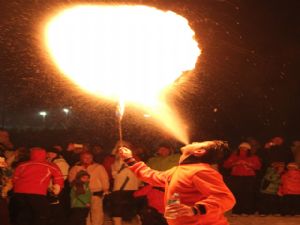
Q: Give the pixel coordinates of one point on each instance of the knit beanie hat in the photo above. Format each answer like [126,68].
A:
[245,145]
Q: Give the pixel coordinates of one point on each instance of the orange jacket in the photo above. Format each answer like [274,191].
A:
[196,183]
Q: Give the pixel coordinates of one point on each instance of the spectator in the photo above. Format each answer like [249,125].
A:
[275,151]
[110,159]
[269,201]
[5,143]
[296,151]
[22,154]
[290,190]
[125,183]
[164,159]
[5,186]
[152,213]
[31,180]
[80,199]
[98,154]
[255,145]
[54,156]
[58,204]
[98,185]
[72,154]
[141,153]
[243,167]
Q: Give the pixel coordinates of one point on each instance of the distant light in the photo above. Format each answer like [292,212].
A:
[216,110]
[43,113]
[66,110]
[147,115]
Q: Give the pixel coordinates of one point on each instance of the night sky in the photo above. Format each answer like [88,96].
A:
[246,82]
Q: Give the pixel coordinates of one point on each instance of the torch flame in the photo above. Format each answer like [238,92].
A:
[121,107]
[123,52]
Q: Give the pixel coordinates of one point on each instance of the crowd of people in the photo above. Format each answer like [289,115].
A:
[84,184]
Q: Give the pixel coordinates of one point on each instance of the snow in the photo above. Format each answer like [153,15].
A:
[268,220]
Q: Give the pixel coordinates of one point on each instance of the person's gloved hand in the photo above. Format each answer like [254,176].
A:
[125,153]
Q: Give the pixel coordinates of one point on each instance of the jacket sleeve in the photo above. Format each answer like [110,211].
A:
[150,176]
[18,172]
[103,176]
[254,163]
[219,198]
[64,168]
[72,174]
[58,178]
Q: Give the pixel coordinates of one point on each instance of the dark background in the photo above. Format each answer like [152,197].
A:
[246,82]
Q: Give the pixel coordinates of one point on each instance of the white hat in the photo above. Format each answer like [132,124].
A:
[245,145]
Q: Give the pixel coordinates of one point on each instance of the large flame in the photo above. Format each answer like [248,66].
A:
[123,52]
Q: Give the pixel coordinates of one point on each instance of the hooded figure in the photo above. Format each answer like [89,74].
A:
[201,195]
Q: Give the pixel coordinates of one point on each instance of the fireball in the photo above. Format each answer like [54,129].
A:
[127,52]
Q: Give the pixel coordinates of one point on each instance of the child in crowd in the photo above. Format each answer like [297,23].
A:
[80,199]
[269,201]
[290,190]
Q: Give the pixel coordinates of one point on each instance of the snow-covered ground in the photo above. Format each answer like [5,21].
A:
[268,220]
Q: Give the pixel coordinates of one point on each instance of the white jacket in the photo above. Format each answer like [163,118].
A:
[98,176]
[120,172]
[63,166]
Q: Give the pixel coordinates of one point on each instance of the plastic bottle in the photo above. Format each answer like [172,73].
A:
[174,199]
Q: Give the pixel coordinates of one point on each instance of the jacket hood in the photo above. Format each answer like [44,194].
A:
[38,154]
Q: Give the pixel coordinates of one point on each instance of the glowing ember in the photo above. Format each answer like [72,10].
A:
[123,52]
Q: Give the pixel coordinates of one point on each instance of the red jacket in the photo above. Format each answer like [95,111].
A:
[196,184]
[155,197]
[33,176]
[242,165]
[290,183]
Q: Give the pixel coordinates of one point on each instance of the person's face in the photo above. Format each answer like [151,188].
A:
[51,155]
[78,150]
[194,149]
[85,179]
[86,159]
[243,150]
[163,151]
